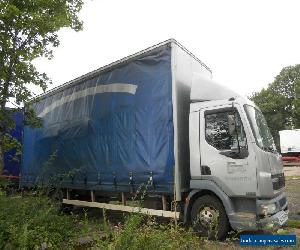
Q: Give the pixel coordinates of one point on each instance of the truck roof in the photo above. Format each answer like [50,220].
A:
[116,64]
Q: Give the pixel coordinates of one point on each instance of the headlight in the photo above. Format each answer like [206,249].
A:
[268,208]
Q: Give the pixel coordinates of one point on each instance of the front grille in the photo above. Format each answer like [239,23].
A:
[278,181]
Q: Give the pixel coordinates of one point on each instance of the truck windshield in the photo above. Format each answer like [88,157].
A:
[263,136]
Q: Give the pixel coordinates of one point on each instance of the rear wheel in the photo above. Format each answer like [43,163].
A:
[209,218]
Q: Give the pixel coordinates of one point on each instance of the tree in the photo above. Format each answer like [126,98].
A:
[28,30]
[280,101]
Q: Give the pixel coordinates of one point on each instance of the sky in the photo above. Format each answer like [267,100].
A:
[245,43]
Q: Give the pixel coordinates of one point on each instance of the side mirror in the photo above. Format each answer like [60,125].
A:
[231,124]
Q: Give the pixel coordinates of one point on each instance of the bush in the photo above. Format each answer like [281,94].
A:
[30,222]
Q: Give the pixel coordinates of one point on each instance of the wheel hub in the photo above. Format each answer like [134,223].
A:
[207,216]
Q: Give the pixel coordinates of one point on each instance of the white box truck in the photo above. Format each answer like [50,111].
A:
[157,118]
[290,142]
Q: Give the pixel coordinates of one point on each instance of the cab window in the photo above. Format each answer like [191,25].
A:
[224,131]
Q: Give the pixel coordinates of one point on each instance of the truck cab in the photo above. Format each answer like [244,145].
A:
[233,160]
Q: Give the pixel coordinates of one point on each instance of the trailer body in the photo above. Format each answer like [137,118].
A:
[290,142]
[119,127]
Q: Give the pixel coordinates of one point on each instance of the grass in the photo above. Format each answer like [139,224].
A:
[292,177]
[141,232]
[34,222]
[294,223]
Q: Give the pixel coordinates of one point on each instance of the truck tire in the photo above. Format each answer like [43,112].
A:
[209,218]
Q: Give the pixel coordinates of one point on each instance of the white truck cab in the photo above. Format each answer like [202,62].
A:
[232,152]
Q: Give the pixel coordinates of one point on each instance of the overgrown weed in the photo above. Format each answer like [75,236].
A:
[29,222]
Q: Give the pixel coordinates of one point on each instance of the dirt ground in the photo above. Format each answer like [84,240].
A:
[292,171]
[293,194]
[292,189]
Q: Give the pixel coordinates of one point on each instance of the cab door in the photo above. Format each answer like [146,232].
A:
[224,150]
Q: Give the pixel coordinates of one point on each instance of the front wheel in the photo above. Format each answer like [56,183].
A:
[209,218]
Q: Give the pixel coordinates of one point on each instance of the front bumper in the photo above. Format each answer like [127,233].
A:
[276,220]
[254,221]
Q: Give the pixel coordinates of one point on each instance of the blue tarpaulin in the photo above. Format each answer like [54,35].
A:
[11,162]
[112,131]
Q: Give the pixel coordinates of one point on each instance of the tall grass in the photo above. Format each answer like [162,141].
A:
[141,232]
[30,222]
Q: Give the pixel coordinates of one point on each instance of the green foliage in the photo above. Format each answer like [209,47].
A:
[29,222]
[28,30]
[280,101]
[9,142]
[294,223]
[3,184]
[145,233]
[296,103]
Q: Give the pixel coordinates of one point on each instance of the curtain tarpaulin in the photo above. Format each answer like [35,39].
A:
[112,131]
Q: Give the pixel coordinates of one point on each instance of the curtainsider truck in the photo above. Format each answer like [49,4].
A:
[156,121]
